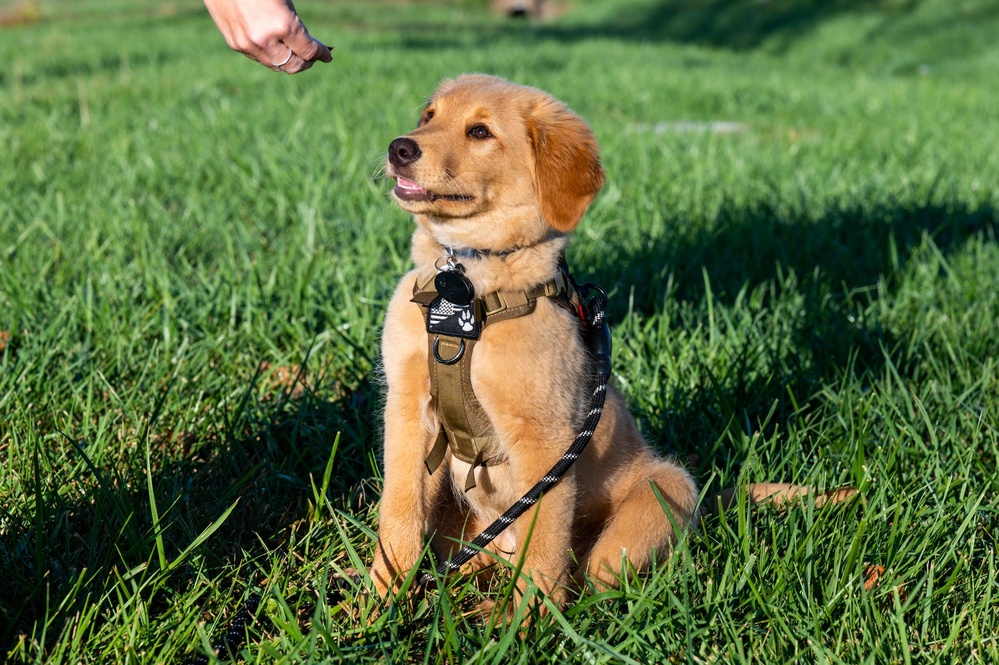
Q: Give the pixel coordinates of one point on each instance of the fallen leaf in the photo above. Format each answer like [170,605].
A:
[782,494]
[286,378]
[872,574]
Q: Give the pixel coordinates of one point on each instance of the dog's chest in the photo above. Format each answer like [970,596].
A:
[492,493]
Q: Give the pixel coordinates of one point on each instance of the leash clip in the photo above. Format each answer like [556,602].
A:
[450,263]
[593,302]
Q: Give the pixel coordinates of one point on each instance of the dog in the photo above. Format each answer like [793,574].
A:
[497,175]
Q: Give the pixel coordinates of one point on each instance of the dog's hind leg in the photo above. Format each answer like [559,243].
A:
[639,529]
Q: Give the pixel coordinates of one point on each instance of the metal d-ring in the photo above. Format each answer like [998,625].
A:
[449,361]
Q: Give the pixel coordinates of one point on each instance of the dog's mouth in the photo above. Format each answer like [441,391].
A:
[407,190]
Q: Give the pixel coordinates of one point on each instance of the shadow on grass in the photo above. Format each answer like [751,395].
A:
[838,264]
[845,247]
[732,24]
[738,25]
[77,547]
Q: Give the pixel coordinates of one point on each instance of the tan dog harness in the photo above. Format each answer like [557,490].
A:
[452,333]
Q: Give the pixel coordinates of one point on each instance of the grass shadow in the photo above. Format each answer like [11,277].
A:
[736,25]
[846,247]
[268,454]
[806,288]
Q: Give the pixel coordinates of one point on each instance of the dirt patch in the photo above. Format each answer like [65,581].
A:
[22,13]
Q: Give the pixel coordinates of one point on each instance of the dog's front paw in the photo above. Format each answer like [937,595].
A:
[494,614]
[350,576]
[349,583]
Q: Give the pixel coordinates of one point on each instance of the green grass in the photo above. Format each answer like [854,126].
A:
[811,298]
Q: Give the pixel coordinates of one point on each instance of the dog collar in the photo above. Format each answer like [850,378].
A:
[472,253]
[475,253]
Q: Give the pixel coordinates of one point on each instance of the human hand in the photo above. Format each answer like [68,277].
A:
[268,31]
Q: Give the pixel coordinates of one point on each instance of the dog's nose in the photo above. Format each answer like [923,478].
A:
[403,152]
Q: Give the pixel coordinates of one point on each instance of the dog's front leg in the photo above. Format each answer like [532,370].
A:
[409,493]
[544,536]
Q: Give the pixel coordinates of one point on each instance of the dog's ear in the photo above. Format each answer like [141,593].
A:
[567,163]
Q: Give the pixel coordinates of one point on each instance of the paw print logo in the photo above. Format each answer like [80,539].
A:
[465,320]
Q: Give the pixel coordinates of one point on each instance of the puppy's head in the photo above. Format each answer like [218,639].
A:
[493,164]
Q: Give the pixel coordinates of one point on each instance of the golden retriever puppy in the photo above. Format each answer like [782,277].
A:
[496,176]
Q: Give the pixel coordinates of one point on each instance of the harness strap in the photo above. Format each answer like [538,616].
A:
[503,305]
[465,427]
[463,421]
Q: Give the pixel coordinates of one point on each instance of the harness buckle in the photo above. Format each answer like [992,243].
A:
[559,285]
[494,302]
[498,301]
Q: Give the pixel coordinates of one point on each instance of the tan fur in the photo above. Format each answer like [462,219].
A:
[529,184]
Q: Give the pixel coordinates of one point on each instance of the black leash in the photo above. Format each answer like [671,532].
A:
[598,339]
[235,635]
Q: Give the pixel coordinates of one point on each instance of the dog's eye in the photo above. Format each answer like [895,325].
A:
[427,117]
[480,132]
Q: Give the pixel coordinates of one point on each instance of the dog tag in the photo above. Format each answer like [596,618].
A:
[454,287]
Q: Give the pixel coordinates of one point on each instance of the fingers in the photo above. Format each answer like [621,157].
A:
[293,61]
[293,65]
[290,63]
[305,46]
[297,52]
[268,31]
[304,50]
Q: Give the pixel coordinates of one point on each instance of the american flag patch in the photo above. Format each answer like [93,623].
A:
[447,318]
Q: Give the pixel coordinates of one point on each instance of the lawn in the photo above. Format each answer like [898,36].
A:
[797,234]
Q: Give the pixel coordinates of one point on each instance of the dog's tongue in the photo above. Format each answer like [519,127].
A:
[409,188]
